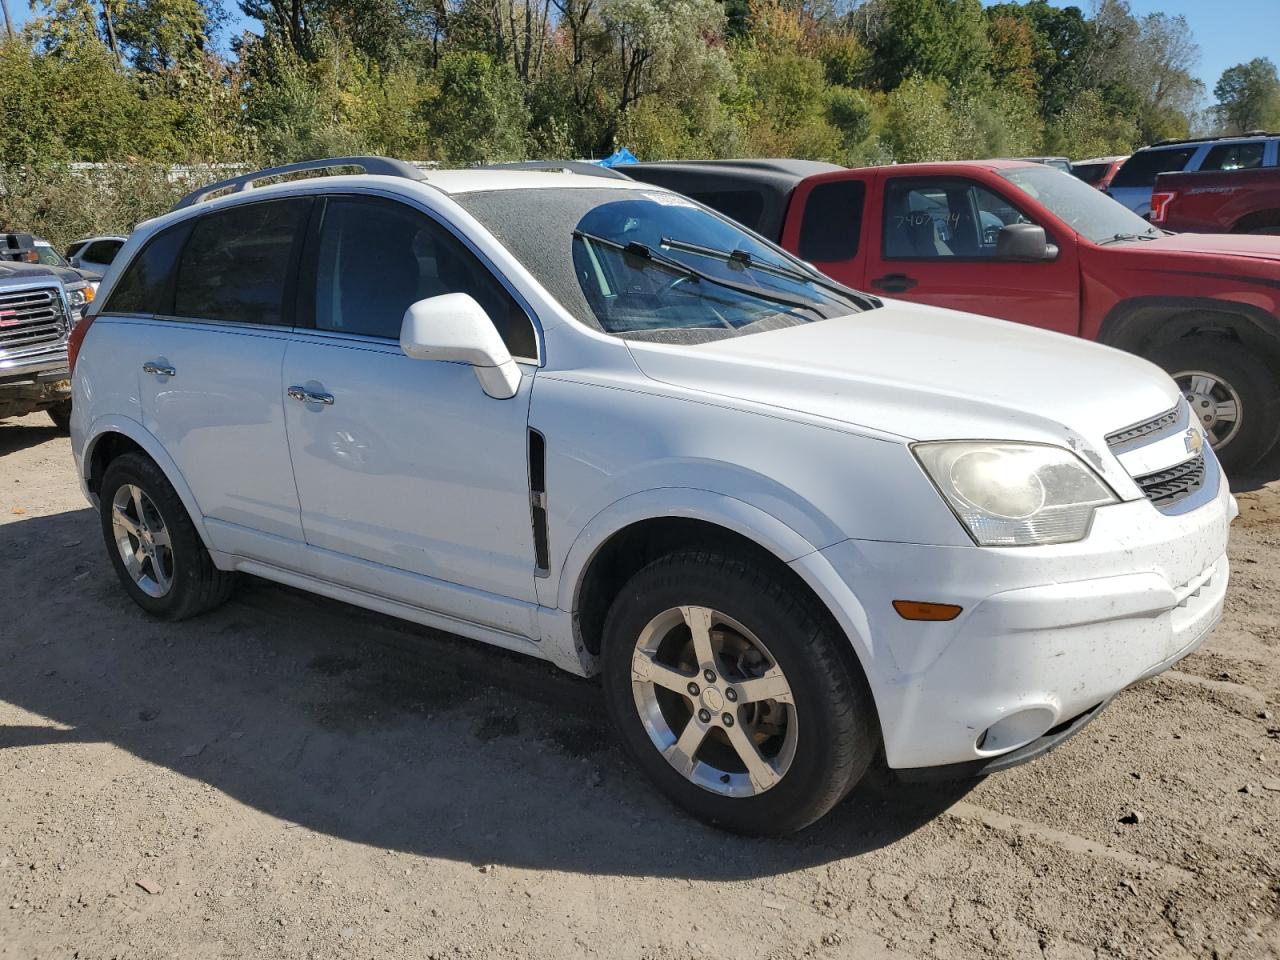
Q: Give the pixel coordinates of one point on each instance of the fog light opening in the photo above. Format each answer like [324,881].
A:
[1016,730]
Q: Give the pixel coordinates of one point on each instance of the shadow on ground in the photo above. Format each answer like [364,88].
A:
[367,729]
[19,436]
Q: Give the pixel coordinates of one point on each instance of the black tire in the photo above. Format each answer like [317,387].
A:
[196,585]
[1251,378]
[837,734]
[60,414]
[1270,231]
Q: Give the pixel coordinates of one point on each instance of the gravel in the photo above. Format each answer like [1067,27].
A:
[293,777]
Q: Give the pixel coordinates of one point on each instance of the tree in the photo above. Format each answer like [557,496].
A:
[1249,96]
[159,36]
[933,39]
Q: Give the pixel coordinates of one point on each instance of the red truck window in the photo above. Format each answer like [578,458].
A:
[927,218]
[832,221]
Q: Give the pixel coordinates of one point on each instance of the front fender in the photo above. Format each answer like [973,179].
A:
[680,502]
[114,423]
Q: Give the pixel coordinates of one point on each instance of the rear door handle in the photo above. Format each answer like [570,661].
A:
[894,283]
[157,369]
[308,396]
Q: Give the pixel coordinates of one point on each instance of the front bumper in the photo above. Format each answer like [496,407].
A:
[1046,633]
[31,382]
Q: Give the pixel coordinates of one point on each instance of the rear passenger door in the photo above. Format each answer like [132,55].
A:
[826,225]
[401,464]
[211,295]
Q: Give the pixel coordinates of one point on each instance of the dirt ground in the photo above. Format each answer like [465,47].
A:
[290,777]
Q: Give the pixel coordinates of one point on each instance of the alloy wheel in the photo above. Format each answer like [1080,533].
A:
[714,701]
[1214,402]
[142,539]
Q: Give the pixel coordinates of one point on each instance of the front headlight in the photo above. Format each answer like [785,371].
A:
[1015,494]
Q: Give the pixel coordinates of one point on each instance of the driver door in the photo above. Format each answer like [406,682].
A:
[938,246]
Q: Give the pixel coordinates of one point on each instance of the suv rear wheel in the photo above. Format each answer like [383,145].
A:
[733,694]
[153,545]
[1231,392]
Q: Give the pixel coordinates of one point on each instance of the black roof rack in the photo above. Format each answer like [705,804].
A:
[1224,136]
[376,166]
[584,167]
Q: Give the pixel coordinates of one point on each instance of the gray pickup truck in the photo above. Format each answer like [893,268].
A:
[39,305]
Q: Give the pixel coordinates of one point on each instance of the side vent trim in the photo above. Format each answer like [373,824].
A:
[538,501]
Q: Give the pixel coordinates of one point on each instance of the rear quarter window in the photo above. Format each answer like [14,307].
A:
[146,287]
[831,225]
[1143,167]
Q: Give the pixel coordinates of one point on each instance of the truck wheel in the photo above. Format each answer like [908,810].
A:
[154,546]
[733,694]
[60,414]
[1231,391]
[1272,231]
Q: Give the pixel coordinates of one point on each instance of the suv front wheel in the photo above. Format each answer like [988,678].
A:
[733,694]
[153,545]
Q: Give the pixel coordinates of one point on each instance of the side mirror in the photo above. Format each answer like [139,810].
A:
[1024,241]
[454,327]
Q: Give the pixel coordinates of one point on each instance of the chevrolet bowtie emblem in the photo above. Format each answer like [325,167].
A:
[1195,440]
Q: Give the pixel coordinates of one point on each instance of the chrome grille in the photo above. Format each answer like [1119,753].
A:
[1139,430]
[1166,487]
[31,318]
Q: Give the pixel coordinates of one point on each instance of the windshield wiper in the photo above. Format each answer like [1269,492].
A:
[1124,237]
[745,259]
[640,251]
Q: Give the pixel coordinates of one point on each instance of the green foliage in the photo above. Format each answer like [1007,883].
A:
[1249,97]
[478,114]
[132,83]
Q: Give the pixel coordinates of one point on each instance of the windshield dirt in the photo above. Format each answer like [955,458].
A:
[652,265]
[1089,212]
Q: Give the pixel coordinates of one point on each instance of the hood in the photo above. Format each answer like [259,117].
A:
[925,373]
[1257,246]
[13,269]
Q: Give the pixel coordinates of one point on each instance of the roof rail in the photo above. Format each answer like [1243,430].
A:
[1221,136]
[584,167]
[376,166]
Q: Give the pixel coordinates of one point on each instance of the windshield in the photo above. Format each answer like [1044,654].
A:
[652,265]
[1089,212]
[48,256]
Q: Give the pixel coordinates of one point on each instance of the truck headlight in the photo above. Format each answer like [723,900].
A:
[1015,494]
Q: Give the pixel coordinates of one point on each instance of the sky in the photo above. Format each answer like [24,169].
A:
[1229,31]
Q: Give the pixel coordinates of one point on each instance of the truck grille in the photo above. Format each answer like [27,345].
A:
[31,318]
[1139,430]
[1166,487]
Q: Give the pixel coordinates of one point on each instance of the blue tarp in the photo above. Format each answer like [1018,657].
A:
[617,158]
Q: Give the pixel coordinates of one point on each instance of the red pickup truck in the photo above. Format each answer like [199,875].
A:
[1218,201]
[1027,243]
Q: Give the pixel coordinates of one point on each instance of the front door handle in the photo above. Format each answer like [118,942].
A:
[894,283]
[157,369]
[309,396]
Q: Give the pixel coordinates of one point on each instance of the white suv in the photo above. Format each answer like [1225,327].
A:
[584,418]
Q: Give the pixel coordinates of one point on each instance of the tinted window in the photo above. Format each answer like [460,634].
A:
[101,251]
[146,288]
[378,257]
[745,206]
[926,218]
[832,221]
[1090,173]
[1143,167]
[1234,156]
[236,264]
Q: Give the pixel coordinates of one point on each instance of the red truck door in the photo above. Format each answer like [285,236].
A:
[827,223]
[936,244]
